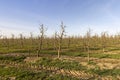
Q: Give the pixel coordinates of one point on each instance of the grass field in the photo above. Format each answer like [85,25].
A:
[72,65]
[60,58]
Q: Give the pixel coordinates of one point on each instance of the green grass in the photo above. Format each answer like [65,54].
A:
[13,58]
[82,54]
[104,72]
[65,52]
[21,74]
[5,50]
[101,55]
[63,64]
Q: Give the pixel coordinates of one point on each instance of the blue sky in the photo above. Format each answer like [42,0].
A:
[24,16]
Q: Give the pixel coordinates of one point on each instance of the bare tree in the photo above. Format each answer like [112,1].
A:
[21,40]
[88,38]
[31,38]
[69,42]
[6,42]
[41,38]
[60,38]
[55,40]
[104,37]
[13,39]
[31,43]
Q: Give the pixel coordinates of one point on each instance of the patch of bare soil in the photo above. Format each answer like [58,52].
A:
[113,52]
[32,59]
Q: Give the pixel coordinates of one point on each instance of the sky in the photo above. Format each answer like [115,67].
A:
[25,16]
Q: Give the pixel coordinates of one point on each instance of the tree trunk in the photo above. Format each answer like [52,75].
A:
[88,54]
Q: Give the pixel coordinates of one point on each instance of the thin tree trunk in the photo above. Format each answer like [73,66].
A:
[88,54]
